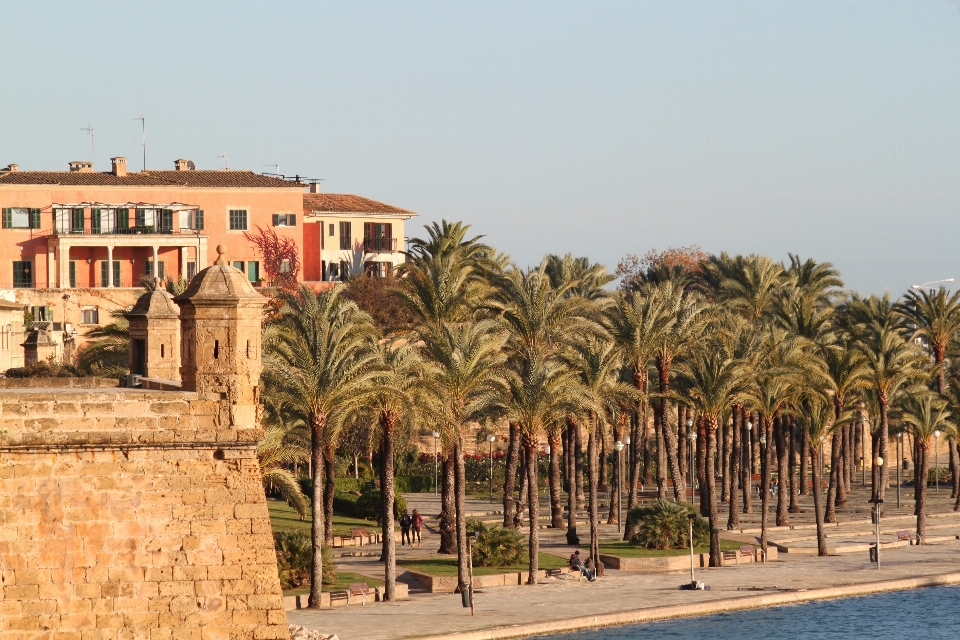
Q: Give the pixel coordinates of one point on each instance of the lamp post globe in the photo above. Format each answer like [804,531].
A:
[878,461]
[436,460]
[491,439]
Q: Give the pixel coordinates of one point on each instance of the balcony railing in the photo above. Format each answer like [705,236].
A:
[123,231]
[379,244]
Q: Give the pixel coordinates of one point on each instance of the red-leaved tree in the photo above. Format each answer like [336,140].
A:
[281,257]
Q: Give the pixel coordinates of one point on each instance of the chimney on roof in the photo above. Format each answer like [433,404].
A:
[119,167]
[12,168]
[81,166]
[182,165]
[314,188]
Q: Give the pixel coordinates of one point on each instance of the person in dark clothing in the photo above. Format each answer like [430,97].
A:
[577,565]
[405,522]
[417,524]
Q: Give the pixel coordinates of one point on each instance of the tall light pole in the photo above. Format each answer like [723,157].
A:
[863,451]
[749,464]
[692,436]
[925,284]
[436,460]
[763,456]
[936,460]
[878,462]
[618,446]
[490,439]
[626,443]
[899,463]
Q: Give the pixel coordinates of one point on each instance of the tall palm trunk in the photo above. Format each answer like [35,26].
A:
[578,464]
[616,482]
[954,466]
[463,560]
[510,475]
[922,467]
[329,489]
[724,461]
[533,499]
[711,492]
[792,442]
[388,423]
[783,469]
[683,442]
[572,438]
[556,508]
[635,448]
[817,500]
[835,484]
[701,453]
[733,515]
[593,472]
[522,498]
[765,473]
[448,510]
[317,425]
[882,474]
[661,452]
[669,437]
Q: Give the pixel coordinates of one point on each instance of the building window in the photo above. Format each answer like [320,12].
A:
[331,230]
[77,221]
[239,265]
[148,269]
[253,271]
[191,270]
[89,315]
[378,236]
[104,273]
[345,236]
[344,270]
[73,274]
[285,266]
[238,219]
[22,273]
[21,218]
[334,272]
[284,219]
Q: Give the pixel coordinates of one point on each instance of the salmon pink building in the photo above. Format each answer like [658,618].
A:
[76,244]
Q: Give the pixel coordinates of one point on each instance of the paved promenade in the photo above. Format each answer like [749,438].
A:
[627,596]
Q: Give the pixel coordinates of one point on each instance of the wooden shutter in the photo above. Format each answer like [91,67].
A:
[73,274]
[166,220]
[34,218]
[292,221]
[199,220]
[276,219]
[7,218]
[77,220]
[104,267]
[123,218]
[94,220]
[116,273]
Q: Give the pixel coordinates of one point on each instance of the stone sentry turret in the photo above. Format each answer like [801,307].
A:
[155,335]
[220,336]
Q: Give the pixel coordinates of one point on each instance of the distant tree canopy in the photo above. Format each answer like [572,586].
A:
[373,295]
[655,266]
[281,257]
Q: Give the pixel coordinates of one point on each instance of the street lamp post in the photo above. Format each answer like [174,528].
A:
[749,465]
[878,462]
[763,456]
[863,451]
[692,436]
[626,443]
[693,579]
[936,460]
[491,439]
[618,446]
[921,286]
[899,463]
[436,460]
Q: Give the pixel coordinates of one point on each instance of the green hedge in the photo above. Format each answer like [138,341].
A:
[411,484]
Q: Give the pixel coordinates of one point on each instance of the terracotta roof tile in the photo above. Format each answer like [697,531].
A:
[346,203]
[221,179]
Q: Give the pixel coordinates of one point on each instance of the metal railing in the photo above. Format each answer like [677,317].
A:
[124,231]
[379,244]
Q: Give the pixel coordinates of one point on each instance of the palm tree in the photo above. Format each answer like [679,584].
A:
[543,392]
[925,412]
[846,373]
[393,399]
[892,363]
[320,356]
[934,319]
[107,351]
[817,421]
[463,383]
[710,383]
[275,454]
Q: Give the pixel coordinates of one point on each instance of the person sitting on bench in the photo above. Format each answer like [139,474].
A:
[576,565]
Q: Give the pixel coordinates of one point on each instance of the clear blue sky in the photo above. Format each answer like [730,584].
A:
[829,129]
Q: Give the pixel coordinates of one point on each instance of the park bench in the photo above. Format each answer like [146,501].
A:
[909,536]
[358,589]
[557,572]
[339,596]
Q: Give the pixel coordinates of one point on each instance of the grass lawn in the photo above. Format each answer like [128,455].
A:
[344,580]
[284,518]
[448,566]
[627,550]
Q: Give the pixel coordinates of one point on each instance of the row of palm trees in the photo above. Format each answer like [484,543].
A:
[736,349]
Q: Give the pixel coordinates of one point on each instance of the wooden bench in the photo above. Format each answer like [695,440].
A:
[909,536]
[360,533]
[359,589]
[339,596]
[558,572]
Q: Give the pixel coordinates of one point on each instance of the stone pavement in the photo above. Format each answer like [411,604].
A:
[426,615]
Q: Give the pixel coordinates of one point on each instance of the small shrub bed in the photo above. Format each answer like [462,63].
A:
[665,525]
[495,546]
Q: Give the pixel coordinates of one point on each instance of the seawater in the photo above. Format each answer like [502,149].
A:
[932,613]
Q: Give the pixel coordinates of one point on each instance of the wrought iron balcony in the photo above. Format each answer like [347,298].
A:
[379,244]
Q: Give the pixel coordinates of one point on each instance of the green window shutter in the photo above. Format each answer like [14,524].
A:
[199,219]
[94,220]
[7,218]
[123,218]
[77,220]
[73,274]
[276,219]
[293,219]
[116,273]
[166,220]
[253,271]
[34,218]
[104,266]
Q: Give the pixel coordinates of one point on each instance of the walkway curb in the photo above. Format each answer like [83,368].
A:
[716,606]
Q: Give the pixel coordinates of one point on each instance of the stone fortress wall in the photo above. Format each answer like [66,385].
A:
[138,513]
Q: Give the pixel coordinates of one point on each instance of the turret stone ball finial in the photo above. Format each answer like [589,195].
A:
[222,257]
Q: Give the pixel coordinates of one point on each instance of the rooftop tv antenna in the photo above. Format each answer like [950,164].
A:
[226,161]
[89,130]
[275,166]
[143,143]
